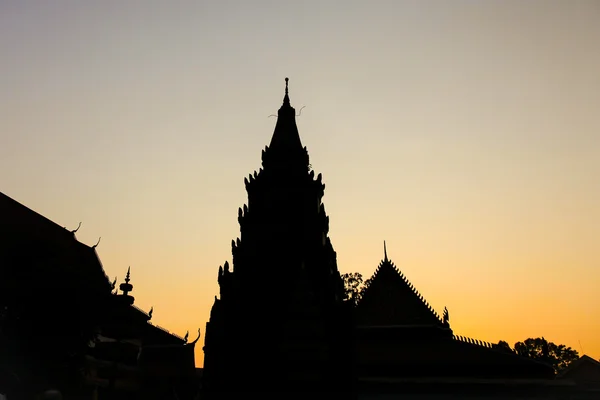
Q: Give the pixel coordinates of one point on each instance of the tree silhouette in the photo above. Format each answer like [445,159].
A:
[504,346]
[558,356]
[354,286]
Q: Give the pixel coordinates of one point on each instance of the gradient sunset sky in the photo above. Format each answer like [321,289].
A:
[464,133]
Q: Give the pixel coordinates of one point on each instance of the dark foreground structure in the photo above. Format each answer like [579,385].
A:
[65,326]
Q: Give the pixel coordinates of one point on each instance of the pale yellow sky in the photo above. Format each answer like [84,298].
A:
[465,133]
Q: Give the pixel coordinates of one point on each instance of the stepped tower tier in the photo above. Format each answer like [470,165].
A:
[284,227]
[281,299]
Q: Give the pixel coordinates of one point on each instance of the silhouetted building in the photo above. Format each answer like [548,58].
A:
[585,372]
[132,357]
[399,335]
[280,324]
[59,317]
[53,293]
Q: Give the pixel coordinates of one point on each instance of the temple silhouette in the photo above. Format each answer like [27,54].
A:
[282,303]
[280,326]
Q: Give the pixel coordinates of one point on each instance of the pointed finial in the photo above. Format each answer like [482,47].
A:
[126,287]
[75,230]
[384,252]
[286,98]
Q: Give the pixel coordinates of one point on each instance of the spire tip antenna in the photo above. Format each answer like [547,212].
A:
[286,98]
[385,258]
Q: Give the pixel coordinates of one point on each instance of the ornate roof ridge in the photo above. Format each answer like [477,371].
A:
[474,342]
[408,283]
[387,265]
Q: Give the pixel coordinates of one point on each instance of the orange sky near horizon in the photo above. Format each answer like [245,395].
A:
[465,134]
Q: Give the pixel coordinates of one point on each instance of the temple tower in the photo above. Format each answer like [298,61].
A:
[280,323]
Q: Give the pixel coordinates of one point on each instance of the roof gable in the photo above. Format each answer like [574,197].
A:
[390,299]
[585,366]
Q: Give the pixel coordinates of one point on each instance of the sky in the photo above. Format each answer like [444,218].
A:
[464,133]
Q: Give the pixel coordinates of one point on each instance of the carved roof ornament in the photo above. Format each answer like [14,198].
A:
[385,259]
[446,316]
[197,338]
[75,230]
[286,98]
[126,287]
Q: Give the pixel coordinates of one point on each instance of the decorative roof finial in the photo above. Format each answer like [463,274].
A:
[286,98]
[75,230]
[385,259]
[126,287]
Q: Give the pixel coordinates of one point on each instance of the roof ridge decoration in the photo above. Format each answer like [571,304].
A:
[422,312]
[76,229]
[415,291]
[474,342]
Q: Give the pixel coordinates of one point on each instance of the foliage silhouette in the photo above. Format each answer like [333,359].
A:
[502,345]
[558,356]
[354,286]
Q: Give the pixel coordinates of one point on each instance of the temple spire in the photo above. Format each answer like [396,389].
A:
[285,149]
[286,98]
[385,259]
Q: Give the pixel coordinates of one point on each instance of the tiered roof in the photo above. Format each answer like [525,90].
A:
[390,299]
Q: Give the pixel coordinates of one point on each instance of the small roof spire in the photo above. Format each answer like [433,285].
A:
[126,287]
[384,252]
[286,98]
